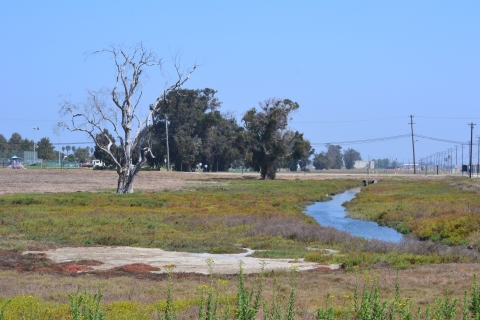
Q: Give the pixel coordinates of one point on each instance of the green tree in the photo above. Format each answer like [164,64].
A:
[45,149]
[106,141]
[268,140]
[221,141]
[350,156]
[82,154]
[70,158]
[334,155]
[3,143]
[320,161]
[16,143]
[197,131]
[301,150]
[331,159]
[68,149]
[382,163]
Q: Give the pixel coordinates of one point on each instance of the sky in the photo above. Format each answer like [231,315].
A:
[358,69]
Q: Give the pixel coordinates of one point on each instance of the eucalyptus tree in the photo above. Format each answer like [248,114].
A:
[350,156]
[269,141]
[3,143]
[16,143]
[46,149]
[330,159]
[123,114]
[189,117]
[222,143]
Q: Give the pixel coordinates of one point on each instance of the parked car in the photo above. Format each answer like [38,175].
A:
[86,165]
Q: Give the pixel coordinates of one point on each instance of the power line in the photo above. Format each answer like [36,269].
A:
[364,141]
[446,118]
[346,121]
[441,140]
[40,120]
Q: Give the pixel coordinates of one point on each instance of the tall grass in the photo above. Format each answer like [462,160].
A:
[364,303]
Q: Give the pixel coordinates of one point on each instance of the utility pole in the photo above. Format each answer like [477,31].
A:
[471,143]
[456,157]
[450,156]
[478,154]
[34,129]
[413,144]
[168,150]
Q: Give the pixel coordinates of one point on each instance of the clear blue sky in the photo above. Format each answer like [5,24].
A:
[358,69]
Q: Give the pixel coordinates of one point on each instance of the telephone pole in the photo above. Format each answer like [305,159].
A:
[168,151]
[471,144]
[478,154]
[450,156]
[456,157]
[413,144]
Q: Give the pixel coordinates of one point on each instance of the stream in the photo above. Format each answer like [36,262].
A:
[332,214]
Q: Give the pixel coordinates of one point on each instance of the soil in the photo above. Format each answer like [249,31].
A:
[84,179]
[129,259]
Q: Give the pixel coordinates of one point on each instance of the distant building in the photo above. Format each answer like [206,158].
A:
[409,166]
[360,164]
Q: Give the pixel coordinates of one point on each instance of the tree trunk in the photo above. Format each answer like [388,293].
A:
[125,180]
[266,172]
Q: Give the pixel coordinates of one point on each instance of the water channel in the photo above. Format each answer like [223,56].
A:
[332,214]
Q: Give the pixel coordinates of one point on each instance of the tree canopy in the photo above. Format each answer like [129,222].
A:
[197,131]
[330,159]
[45,149]
[268,140]
[350,156]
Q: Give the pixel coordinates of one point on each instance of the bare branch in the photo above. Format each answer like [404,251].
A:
[95,115]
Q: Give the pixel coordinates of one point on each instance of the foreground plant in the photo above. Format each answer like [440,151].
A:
[85,306]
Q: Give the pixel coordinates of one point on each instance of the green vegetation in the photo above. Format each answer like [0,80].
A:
[225,217]
[213,302]
[230,214]
[219,218]
[444,210]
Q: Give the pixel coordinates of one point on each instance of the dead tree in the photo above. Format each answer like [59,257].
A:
[122,114]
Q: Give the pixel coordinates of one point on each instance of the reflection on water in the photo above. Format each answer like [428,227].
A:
[332,214]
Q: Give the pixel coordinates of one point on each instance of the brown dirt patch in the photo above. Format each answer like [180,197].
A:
[136,268]
[72,180]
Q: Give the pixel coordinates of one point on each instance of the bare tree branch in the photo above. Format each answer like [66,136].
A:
[94,116]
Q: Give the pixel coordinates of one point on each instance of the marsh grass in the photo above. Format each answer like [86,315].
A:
[207,219]
[445,210]
[221,218]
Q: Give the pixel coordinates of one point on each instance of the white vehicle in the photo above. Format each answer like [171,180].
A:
[98,163]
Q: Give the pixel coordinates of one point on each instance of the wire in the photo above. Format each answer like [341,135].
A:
[346,121]
[39,120]
[442,140]
[446,118]
[365,141]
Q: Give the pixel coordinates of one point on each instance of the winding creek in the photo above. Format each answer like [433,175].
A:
[332,214]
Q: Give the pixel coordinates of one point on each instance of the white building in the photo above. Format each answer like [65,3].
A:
[360,164]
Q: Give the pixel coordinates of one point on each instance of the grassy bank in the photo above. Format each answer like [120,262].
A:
[444,210]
